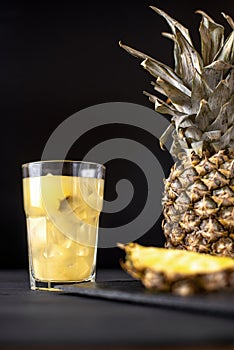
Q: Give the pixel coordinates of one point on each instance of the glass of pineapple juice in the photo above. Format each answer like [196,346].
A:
[62,203]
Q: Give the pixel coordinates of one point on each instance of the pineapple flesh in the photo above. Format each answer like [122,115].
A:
[198,200]
[180,272]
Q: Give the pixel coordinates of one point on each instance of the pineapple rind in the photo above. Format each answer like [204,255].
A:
[198,205]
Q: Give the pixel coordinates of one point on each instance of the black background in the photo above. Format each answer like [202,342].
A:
[58,58]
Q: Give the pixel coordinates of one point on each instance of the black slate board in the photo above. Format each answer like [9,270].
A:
[220,304]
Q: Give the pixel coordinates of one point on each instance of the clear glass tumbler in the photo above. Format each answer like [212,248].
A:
[62,202]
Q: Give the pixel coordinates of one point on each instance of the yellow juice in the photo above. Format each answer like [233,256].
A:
[62,222]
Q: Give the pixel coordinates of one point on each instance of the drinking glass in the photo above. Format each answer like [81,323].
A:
[62,202]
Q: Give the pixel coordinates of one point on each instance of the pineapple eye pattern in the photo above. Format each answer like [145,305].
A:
[124,148]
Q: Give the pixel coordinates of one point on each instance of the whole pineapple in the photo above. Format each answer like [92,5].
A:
[198,201]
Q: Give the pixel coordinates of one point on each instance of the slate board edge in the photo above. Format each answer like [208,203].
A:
[160,300]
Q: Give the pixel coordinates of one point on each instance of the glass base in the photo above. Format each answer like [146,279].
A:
[51,285]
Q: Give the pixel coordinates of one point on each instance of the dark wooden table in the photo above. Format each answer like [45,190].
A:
[38,319]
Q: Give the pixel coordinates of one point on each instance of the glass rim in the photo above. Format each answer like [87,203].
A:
[24,165]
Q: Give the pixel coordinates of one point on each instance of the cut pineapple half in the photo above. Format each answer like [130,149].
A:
[181,272]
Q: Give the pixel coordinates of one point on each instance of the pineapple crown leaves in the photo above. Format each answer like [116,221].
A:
[199,91]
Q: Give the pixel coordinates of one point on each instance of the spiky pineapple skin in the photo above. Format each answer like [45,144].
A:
[198,204]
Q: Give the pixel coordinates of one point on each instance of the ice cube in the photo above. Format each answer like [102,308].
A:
[82,250]
[37,230]
[53,245]
[68,204]
[89,193]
